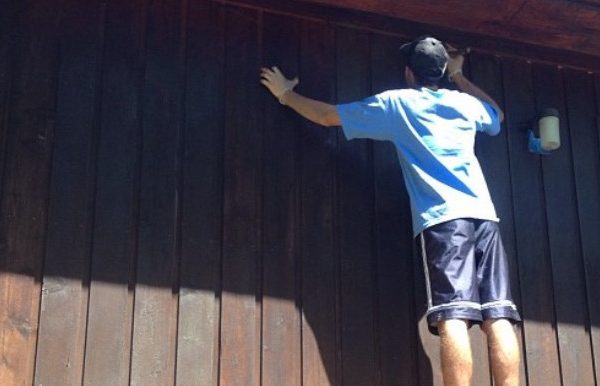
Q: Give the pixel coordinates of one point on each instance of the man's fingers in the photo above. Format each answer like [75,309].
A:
[450,48]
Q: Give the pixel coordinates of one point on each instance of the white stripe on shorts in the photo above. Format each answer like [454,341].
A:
[456,304]
[426,272]
[499,303]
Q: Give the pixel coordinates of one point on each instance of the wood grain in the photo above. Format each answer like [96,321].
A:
[564,25]
[355,213]
[320,345]
[23,211]
[155,313]
[492,152]
[241,299]
[202,197]
[281,335]
[64,303]
[110,316]
[530,228]
[564,237]
[584,131]
[397,324]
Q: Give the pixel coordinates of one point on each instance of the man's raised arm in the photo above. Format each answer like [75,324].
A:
[321,113]
[455,75]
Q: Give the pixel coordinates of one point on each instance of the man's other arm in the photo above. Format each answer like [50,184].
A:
[321,113]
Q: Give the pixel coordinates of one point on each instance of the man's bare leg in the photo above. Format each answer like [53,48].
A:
[457,362]
[504,351]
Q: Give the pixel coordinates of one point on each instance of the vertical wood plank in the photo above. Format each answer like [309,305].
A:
[23,210]
[202,197]
[565,247]
[155,313]
[591,255]
[241,311]
[428,350]
[108,340]
[8,30]
[281,351]
[584,132]
[355,198]
[65,285]
[492,152]
[397,327]
[481,364]
[319,335]
[543,366]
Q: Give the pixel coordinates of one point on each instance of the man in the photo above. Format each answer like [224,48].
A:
[454,220]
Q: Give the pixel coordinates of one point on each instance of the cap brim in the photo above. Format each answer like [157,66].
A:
[406,47]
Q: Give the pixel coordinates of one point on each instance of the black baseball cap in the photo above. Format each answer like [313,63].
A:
[427,57]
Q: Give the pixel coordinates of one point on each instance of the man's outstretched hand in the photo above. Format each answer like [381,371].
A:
[274,80]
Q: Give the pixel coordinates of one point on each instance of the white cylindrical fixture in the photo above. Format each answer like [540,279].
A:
[549,129]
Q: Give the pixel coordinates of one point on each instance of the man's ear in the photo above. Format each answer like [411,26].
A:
[409,76]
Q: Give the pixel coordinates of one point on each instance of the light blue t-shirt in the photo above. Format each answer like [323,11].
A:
[434,134]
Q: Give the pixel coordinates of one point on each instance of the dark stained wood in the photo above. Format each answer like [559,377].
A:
[355,200]
[8,28]
[281,336]
[565,248]
[590,252]
[397,325]
[63,315]
[492,152]
[113,253]
[261,248]
[202,197]
[320,354]
[153,353]
[530,228]
[556,24]
[428,350]
[23,210]
[584,130]
[240,309]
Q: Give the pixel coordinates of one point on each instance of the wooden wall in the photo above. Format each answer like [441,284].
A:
[163,220]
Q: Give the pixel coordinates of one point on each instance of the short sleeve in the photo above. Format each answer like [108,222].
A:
[368,118]
[487,119]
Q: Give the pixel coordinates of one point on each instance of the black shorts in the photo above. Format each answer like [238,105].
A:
[466,272]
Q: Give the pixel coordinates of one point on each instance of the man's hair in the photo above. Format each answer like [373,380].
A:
[422,81]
